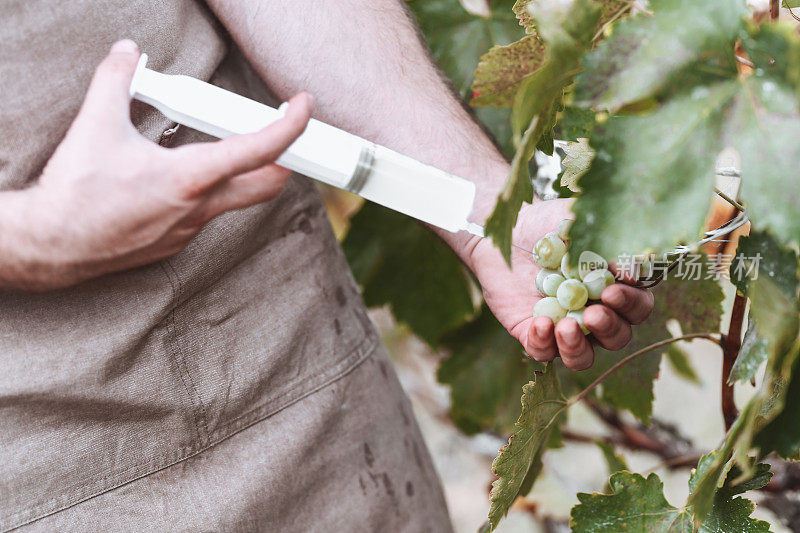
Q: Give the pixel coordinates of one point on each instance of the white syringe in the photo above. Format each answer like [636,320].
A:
[322,152]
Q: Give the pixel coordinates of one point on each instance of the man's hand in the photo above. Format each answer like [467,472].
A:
[109,199]
[511,295]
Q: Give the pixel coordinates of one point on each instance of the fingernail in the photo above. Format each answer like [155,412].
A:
[571,338]
[616,299]
[604,321]
[125,46]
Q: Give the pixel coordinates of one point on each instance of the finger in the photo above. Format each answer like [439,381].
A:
[575,349]
[108,97]
[608,328]
[238,154]
[245,190]
[540,342]
[632,304]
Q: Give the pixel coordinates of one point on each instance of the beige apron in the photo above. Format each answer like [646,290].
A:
[237,386]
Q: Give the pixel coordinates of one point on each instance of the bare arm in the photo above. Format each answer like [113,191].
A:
[371,75]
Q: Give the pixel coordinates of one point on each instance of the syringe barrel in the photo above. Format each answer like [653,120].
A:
[322,152]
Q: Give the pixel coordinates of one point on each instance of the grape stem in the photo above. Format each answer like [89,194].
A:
[581,395]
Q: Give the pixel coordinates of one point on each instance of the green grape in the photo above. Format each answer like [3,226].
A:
[589,262]
[596,281]
[550,308]
[563,229]
[578,316]
[549,251]
[543,273]
[566,270]
[551,283]
[572,294]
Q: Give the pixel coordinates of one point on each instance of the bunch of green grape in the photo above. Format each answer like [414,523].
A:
[566,291]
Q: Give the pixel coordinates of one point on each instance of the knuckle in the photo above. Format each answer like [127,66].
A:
[188,186]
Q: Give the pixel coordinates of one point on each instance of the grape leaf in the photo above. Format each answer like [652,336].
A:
[575,123]
[648,54]
[567,35]
[635,504]
[610,9]
[652,178]
[485,371]
[577,160]
[650,184]
[790,3]
[391,255]
[614,461]
[727,513]
[751,355]
[458,39]
[518,189]
[502,69]
[679,360]
[760,254]
[782,434]
[542,403]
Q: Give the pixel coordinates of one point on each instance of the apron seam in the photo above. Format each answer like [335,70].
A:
[360,354]
[196,407]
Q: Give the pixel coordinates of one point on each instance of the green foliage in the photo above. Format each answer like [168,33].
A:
[762,250]
[575,123]
[726,512]
[388,254]
[635,504]
[774,313]
[760,253]
[679,360]
[615,462]
[609,9]
[578,158]
[485,371]
[503,68]
[542,403]
[695,304]
[567,34]
[650,55]
[790,3]
[458,39]
[751,355]
[780,332]
[661,160]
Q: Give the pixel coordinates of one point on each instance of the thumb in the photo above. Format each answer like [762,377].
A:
[108,96]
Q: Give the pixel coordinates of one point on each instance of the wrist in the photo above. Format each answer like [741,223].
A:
[489,179]
[26,260]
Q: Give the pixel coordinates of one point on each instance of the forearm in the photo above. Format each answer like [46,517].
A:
[18,246]
[370,75]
